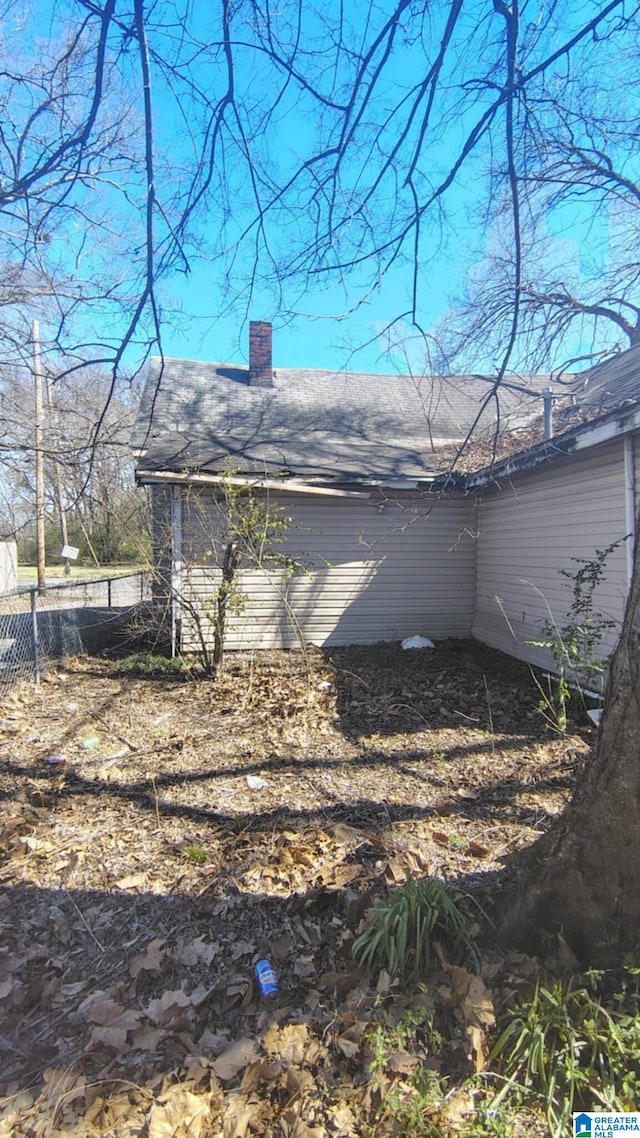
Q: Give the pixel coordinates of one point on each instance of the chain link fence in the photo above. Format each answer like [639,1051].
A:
[62,620]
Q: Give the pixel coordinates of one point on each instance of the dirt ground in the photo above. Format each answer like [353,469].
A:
[196,827]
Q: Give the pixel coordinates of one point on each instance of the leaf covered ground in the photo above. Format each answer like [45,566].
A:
[196,827]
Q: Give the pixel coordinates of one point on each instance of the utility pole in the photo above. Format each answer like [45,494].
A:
[39,455]
[62,512]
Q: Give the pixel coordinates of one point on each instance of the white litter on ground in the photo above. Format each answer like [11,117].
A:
[254,782]
[417,642]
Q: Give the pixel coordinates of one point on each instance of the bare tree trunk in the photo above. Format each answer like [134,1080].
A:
[230,565]
[583,877]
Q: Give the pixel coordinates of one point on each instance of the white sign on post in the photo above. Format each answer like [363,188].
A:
[69,552]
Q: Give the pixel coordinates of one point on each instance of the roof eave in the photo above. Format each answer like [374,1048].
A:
[343,487]
[612,426]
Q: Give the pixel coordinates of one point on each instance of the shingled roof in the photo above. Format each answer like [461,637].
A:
[319,426]
[590,407]
[613,384]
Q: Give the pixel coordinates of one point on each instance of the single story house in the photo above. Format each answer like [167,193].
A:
[417,505]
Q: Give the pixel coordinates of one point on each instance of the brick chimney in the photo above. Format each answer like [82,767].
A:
[260,354]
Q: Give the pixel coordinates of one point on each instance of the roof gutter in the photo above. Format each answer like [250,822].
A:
[614,426]
[257,483]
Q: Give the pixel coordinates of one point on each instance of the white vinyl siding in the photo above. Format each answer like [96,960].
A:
[376,576]
[636,462]
[529,529]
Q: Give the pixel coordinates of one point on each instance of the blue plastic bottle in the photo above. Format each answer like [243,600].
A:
[266,978]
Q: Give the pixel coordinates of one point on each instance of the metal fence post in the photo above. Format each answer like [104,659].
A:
[34,634]
[109,592]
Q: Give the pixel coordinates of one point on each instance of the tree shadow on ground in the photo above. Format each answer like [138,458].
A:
[120,984]
[384,689]
[138,891]
[497,798]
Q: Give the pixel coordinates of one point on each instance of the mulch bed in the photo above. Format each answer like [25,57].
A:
[195,827]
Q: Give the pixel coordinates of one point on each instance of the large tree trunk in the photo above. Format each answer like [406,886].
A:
[583,877]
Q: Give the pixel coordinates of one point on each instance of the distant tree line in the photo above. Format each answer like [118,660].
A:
[106,514]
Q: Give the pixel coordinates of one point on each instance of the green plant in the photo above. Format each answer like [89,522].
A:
[553,705]
[147,664]
[403,928]
[411,1105]
[458,841]
[497,1124]
[575,645]
[239,823]
[437,756]
[422,1087]
[197,854]
[569,1049]
[249,533]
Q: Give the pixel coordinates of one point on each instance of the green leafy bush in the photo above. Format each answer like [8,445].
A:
[147,664]
[571,1050]
[404,927]
[576,645]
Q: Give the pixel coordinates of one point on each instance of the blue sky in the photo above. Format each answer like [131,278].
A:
[319,323]
[319,340]
[324,332]
[335,327]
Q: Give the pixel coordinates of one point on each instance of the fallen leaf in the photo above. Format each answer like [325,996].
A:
[150,960]
[179,1114]
[145,1037]
[173,1008]
[289,1043]
[456,1110]
[343,1121]
[113,1022]
[417,857]
[299,1080]
[304,967]
[282,946]
[197,951]
[348,1047]
[440,837]
[383,985]
[475,1046]
[242,948]
[13,1111]
[469,993]
[401,1063]
[62,1083]
[6,987]
[239,1114]
[200,994]
[133,881]
[293,1042]
[394,872]
[212,1043]
[239,994]
[260,1072]
[235,1058]
[473,998]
